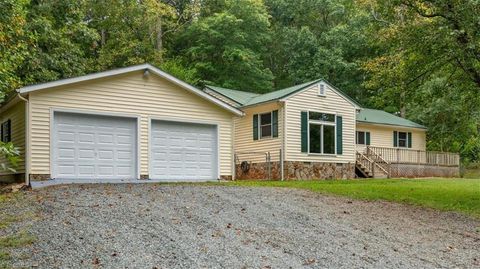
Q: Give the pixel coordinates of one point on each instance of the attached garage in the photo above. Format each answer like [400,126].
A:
[182,151]
[95,147]
[123,125]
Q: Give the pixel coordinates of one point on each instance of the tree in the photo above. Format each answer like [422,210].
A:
[427,68]
[63,41]
[11,154]
[14,43]
[318,39]
[224,50]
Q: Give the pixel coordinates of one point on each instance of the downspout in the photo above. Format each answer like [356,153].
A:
[284,137]
[27,139]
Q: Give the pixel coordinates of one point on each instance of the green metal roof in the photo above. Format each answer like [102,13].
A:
[240,97]
[365,115]
[276,95]
[248,98]
[381,117]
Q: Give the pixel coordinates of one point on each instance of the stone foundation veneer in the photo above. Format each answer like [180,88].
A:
[297,171]
[317,170]
[225,177]
[39,177]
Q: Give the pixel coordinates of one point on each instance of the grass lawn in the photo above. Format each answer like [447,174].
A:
[9,240]
[460,195]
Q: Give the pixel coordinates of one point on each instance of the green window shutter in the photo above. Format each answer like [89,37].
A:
[304,131]
[367,138]
[339,135]
[275,123]
[395,136]
[409,139]
[255,127]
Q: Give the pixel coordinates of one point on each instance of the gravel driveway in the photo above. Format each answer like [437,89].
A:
[194,226]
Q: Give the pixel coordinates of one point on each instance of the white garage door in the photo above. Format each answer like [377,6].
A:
[93,147]
[183,151]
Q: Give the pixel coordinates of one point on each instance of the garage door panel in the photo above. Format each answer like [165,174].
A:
[105,138]
[86,137]
[105,155]
[66,153]
[124,140]
[183,151]
[66,169]
[124,154]
[64,136]
[87,147]
[106,170]
[86,170]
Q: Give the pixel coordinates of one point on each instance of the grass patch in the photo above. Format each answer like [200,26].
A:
[459,195]
[5,221]
[8,242]
[4,259]
[13,202]
[19,239]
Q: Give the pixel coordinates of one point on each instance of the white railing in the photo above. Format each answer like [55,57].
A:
[409,156]
[373,164]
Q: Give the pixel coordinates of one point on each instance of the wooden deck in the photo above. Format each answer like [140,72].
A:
[398,162]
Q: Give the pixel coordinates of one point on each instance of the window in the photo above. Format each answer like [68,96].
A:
[322,133]
[402,139]
[6,132]
[361,138]
[266,125]
[321,116]
[321,89]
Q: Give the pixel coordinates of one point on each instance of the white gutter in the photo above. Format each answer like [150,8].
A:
[27,139]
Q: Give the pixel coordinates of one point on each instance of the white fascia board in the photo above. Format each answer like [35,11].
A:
[120,71]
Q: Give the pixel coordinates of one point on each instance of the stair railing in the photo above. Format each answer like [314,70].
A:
[379,161]
[366,162]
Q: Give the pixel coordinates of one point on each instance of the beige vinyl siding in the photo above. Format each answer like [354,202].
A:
[248,149]
[131,94]
[309,100]
[16,114]
[382,136]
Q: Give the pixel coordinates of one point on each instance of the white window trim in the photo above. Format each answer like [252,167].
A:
[322,123]
[398,139]
[319,88]
[260,125]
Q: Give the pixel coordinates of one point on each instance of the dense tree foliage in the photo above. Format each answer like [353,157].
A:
[418,59]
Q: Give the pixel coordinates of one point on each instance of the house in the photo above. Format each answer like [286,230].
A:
[314,130]
[139,122]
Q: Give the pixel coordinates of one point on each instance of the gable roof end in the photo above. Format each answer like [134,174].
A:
[119,71]
[305,86]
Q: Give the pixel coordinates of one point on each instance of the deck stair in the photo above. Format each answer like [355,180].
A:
[371,165]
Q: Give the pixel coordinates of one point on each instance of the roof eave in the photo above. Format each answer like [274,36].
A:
[229,98]
[390,125]
[261,103]
[125,70]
